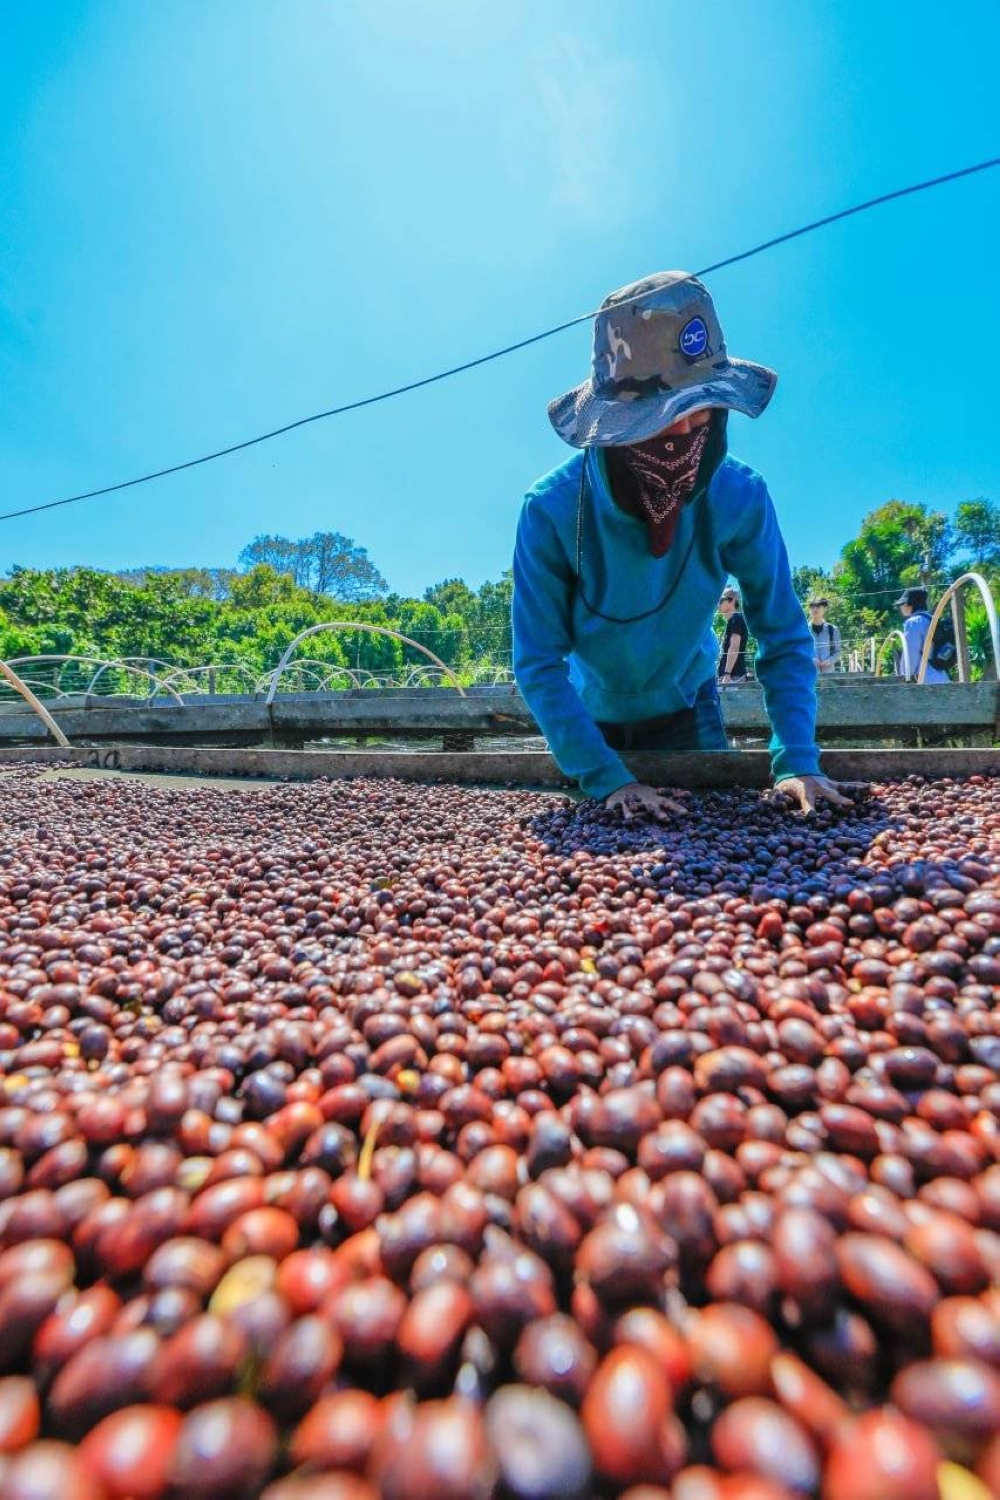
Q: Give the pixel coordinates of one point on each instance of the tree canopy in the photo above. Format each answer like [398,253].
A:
[249,615]
[324,563]
[197,616]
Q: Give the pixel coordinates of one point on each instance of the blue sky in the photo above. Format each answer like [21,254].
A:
[219,215]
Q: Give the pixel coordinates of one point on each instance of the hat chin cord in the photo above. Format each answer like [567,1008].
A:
[619,619]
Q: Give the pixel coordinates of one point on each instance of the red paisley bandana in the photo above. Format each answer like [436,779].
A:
[659,476]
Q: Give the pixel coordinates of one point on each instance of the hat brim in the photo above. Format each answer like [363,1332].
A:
[585,418]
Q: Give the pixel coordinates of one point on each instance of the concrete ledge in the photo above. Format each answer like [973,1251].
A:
[858,709]
[747,768]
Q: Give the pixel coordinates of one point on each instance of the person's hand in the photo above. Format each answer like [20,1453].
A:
[725,677]
[808,791]
[635,801]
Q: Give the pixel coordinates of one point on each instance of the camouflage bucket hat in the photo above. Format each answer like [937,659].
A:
[658,355]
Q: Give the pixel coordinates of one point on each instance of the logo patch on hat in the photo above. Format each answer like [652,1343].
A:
[694,338]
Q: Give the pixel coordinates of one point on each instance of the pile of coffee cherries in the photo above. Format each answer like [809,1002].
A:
[363,1139]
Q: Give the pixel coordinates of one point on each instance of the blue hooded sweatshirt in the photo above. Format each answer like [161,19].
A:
[580,557]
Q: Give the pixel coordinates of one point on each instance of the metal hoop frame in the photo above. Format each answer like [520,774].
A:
[355,625]
[949,596]
[325,671]
[193,673]
[7,671]
[894,636]
[124,664]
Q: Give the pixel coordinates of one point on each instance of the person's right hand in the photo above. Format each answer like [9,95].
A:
[807,791]
[635,801]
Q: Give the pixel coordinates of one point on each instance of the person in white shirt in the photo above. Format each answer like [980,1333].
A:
[825,636]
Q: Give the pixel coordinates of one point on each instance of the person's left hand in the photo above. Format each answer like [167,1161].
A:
[807,791]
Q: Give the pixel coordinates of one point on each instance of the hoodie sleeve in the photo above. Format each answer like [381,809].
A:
[541,617]
[755,555]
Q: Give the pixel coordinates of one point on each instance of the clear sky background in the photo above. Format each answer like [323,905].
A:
[219,215]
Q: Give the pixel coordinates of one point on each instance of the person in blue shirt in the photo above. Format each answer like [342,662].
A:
[912,605]
[622,552]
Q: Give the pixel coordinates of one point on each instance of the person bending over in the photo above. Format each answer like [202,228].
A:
[622,552]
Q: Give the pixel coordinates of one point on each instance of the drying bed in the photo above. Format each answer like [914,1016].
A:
[366,1138]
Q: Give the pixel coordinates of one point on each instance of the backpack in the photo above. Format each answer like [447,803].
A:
[945,652]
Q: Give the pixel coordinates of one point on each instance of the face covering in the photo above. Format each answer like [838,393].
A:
[659,475]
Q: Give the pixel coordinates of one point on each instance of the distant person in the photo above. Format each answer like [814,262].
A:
[733,656]
[912,605]
[825,635]
[622,553]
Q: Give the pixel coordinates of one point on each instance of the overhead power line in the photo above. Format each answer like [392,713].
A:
[485,359]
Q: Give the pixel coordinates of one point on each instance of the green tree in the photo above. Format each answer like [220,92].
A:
[493,640]
[277,552]
[809,581]
[421,622]
[447,635]
[263,585]
[334,564]
[453,597]
[899,544]
[326,563]
[17,639]
[194,583]
[977,529]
